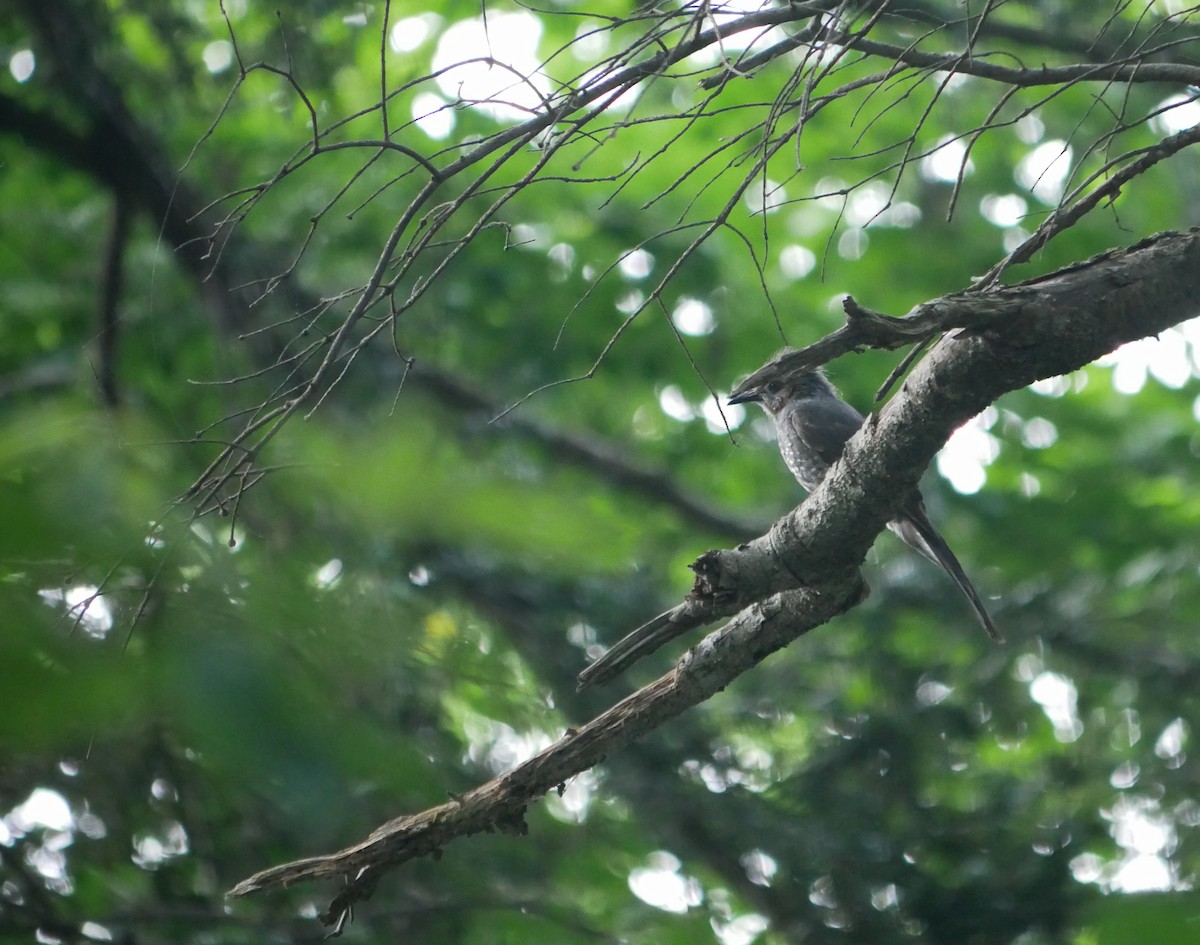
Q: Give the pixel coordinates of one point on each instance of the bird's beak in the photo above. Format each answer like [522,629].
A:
[748,396]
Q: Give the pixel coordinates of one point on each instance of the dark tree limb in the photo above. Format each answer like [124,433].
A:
[111,282]
[106,142]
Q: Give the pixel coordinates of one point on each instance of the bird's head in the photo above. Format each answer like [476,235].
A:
[776,384]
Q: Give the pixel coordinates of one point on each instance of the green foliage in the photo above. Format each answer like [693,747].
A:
[398,609]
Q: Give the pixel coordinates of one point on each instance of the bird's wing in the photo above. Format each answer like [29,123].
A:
[824,426]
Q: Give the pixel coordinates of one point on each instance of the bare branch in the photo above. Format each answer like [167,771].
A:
[804,571]
[1068,215]
[832,40]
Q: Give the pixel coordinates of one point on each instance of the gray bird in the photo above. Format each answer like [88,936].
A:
[813,424]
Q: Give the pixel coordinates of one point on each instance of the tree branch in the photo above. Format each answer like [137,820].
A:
[804,571]
[123,161]
[1132,69]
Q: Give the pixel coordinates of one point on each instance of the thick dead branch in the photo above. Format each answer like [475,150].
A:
[865,328]
[500,804]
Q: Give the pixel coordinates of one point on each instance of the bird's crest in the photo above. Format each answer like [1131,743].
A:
[786,363]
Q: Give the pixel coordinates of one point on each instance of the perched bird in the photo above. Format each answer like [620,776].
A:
[813,424]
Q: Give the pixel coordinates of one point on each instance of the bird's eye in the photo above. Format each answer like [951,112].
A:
[772,387]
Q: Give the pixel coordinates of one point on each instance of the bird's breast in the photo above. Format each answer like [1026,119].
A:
[805,465]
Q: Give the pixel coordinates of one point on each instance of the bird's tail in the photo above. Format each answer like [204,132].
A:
[914,527]
[625,652]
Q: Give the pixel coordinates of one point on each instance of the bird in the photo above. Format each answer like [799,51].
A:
[813,423]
